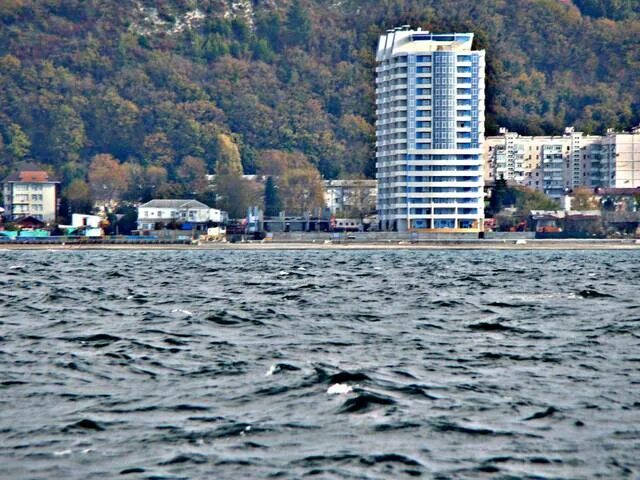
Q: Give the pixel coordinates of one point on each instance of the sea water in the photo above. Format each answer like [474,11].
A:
[328,364]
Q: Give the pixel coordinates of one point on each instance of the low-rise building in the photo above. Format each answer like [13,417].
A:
[158,214]
[83,220]
[30,192]
[350,196]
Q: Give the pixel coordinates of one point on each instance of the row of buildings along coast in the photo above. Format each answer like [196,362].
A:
[432,158]
[556,164]
[433,161]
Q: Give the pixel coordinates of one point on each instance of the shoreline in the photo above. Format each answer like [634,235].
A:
[614,244]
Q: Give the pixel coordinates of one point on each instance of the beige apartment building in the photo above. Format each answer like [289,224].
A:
[618,163]
[30,192]
[555,164]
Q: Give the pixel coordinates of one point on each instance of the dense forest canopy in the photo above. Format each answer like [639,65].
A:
[174,85]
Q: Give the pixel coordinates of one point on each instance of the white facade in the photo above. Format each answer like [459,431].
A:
[30,193]
[162,212]
[350,195]
[429,131]
[620,160]
[555,164]
[82,220]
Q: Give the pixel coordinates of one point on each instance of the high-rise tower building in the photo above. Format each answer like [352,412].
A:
[429,131]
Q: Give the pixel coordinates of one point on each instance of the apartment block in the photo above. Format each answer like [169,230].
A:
[619,165]
[30,192]
[555,164]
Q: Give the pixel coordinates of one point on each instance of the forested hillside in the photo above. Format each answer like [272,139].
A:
[175,85]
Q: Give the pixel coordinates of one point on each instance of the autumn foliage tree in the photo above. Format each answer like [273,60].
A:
[584,199]
[228,161]
[108,178]
[192,173]
[298,181]
[78,196]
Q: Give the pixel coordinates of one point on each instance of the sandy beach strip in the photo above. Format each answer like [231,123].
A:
[626,244]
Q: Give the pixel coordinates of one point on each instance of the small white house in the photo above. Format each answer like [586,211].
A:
[82,220]
[154,215]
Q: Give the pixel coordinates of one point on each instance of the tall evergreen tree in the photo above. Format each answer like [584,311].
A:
[298,24]
[272,201]
[498,196]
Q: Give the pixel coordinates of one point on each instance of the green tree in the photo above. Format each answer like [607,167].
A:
[127,222]
[298,24]
[19,143]
[268,25]
[67,135]
[272,202]
[236,194]
[115,124]
[529,200]
[498,196]
[78,196]
[157,149]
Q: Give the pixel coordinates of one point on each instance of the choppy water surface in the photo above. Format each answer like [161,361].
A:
[386,364]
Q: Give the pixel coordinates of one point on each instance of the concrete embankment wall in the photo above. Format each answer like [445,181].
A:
[382,237]
[370,237]
[510,235]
